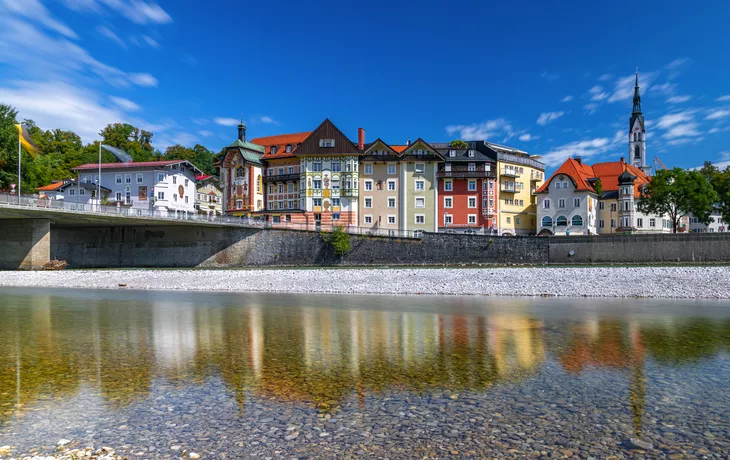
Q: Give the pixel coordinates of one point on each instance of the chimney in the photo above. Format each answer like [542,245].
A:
[408,143]
[360,138]
[623,160]
[578,160]
[242,132]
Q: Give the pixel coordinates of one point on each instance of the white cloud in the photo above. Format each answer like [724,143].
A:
[719,130]
[125,104]
[138,11]
[108,33]
[624,86]
[483,131]
[35,11]
[567,99]
[185,138]
[267,119]
[60,105]
[597,93]
[548,117]
[226,121]
[669,120]
[718,114]
[723,98]
[684,141]
[205,133]
[527,137]
[591,107]
[605,77]
[678,99]
[201,121]
[549,76]
[151,41]
[682,130]
[584,149]
[721,163]
[677,63]
[143,79]
[664,88]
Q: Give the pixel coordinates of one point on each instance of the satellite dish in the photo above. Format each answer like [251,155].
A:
[120,155]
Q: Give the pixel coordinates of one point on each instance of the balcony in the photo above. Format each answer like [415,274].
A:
[282,178]
[464,173]
[508,189]
[536,176]
[511,172]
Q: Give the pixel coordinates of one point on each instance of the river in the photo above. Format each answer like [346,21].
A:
[291,375]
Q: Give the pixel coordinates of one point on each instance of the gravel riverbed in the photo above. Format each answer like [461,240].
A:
[652,282]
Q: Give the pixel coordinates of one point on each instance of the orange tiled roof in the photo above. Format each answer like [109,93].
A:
[280,142]
[579,172]
[608,172]
[50,187]
[399,148]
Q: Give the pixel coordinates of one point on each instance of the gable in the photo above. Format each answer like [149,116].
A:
[421,150]
[327,139]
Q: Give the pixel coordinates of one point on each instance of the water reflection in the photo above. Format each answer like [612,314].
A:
[57,346]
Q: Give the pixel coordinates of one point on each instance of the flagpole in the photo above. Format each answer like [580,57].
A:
[98,180]
[20,133]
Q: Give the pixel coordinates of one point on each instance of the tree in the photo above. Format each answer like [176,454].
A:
[458,144]
[137,142]
[598,187]
[721,184]
[179,152]
[676,193]
[203,159]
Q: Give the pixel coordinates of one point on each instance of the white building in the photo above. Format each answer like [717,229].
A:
[718,225]
[160,187]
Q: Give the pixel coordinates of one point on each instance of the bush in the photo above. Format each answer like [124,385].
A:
[339,240]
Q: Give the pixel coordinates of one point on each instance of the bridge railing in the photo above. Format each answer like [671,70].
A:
[32,201]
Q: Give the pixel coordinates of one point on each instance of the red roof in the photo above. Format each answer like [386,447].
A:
[50,187]
[140,164]
[608,172]
[280,142]
[399,148]
[200,177]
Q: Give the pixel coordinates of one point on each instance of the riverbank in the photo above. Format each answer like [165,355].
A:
[711,282]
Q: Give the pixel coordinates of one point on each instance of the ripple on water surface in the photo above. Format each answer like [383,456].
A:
[306,375]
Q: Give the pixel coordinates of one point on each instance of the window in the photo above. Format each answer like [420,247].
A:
[472,185]
[335,183]
[601,223]
[336,166]
[271,188]
[174,197]
[140,178]
[448,185]
[328,143]
[161,177]
[562,221]
[368,169]
[291,187]
[391,202]
[368,185]
[317,202]
[576,221]
[576,202]
[174,179]
[547,221]
[420,202]
[522,202]
[420,168]
[420,185]
[368,219]
[472,202]
[291,171]
[561,203]
[391,220]
[391,169]
[448,202]
[509,220]
[160,196]
[391,185]
[288,216]
[335,216]
[471,153]
[652,222]
[288,148]
[368,202]
[472,219]
[274,149]
[613,223]
[186,198]
[281,188]
[186,182]
[118,196]
[290,205]
[600,205]
[613,206]
[118,178]
[317,184]
[639,222]
[637,152]
[452,153]
[82,192]
[517,220]
[317,166]
[239,204]
[471,167]
[546,204]
[421,219]
[335,202]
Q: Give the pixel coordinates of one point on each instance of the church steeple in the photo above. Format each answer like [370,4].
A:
[637,98]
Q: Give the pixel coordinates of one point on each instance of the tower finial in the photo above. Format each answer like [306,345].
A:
[637,97]
[637,77]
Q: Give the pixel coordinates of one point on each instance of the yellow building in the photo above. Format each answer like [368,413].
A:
[519,174]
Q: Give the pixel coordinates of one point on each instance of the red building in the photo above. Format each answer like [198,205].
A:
[467,195]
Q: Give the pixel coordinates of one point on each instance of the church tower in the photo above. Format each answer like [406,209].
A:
[637,133]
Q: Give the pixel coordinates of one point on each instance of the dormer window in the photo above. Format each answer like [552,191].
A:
[328,143]
[288,148]
[452,153]
[471,153]
[273,150]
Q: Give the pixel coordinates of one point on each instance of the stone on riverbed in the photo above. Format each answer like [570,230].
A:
[636,443]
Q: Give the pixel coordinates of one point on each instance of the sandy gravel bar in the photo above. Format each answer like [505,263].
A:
[653,282]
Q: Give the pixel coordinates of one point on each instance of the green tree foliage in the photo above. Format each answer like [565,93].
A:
[339,240]
[137,142]
[598,187]
[678,192]
[198,155]
[721,183]
[458,144]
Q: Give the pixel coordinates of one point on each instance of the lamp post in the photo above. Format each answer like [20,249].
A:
[98,181]
[20,155]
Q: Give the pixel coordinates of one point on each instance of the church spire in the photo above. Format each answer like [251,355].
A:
[637,98]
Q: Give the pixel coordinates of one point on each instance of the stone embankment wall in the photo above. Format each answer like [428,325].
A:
[24,243]
[194,246]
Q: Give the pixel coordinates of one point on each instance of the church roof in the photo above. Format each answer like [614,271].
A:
[247,145]
[584,176]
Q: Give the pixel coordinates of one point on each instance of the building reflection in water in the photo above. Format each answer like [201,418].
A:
[320,356]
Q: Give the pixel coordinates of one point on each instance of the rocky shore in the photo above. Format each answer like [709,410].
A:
[693,282]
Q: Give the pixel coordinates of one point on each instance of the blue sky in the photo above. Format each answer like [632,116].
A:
[552,78]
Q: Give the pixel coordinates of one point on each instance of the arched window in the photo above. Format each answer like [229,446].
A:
[288,148]
[240,172]
[577,221]
[637,152]
[547,221]
[273,150]
[562,221]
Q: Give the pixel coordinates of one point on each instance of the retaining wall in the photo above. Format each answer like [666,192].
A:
[24,243]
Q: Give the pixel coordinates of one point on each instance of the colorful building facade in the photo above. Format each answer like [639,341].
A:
[419,188]
[242,173]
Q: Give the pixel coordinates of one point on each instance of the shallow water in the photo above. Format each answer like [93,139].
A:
[242,375]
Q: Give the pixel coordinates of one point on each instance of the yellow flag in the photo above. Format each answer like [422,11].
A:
[25,139]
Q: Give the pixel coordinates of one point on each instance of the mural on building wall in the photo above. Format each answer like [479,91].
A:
[142,193]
